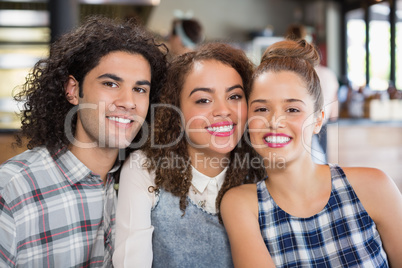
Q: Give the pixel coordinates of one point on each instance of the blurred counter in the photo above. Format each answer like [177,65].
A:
[7,149]
[367,143]
[366,122]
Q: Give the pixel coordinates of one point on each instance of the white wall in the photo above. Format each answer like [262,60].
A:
[228,19]
[325,18]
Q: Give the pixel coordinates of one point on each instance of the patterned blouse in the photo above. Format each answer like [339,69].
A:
[341,235]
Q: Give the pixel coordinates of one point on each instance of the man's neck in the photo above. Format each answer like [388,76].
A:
[99,160]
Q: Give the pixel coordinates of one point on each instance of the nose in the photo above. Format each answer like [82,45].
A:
[221,109]
[125,99]
[276,121]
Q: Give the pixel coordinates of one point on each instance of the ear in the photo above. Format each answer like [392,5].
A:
[71,89]
[319,120]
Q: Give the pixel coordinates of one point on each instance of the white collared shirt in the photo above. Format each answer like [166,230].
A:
[205,189]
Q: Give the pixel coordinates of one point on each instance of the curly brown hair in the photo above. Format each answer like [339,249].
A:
[76,53]
[177,180]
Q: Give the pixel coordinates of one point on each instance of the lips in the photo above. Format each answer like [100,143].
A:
[221,129]
[277,140]
[121,121]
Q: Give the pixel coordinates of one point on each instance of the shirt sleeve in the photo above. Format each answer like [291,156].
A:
[7,236]
[133,245]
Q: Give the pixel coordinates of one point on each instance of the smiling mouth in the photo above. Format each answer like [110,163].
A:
[277,139]
[120,120]
[221,129]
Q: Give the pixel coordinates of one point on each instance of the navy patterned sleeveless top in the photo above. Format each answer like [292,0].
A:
[341,235]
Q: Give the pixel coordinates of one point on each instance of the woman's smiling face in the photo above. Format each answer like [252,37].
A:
[281,115]
[214,108]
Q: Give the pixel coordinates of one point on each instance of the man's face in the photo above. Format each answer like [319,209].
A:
[115,101]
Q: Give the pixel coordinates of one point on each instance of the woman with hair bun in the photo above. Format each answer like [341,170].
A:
[305,214]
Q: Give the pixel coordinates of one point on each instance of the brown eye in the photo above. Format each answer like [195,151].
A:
[293,110]
[261,109]
[236,97]
[202,101]
[110,84]
[140,90]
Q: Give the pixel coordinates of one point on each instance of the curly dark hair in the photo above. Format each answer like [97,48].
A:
[76,53]
[178,180]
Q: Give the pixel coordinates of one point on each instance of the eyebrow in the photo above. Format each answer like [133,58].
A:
[111,76]
[210,90]
[295,100]
[286,100]
[143,82]
[119,79]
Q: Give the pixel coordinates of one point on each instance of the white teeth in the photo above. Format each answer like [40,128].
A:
[221,128]
[120,120]
[277,139]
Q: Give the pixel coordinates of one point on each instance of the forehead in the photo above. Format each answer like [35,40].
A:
[122,56]
[211,72]
[207,66]
[123,62]
[279,85]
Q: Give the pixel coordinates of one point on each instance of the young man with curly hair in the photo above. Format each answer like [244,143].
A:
[83,104]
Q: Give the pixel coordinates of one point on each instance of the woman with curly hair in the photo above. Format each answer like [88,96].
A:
[306,214]
[171,190]
[83,103]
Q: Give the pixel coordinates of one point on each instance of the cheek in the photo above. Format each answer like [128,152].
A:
[194,119]
[308,131]
[257,128]
[302,129]
[142,108]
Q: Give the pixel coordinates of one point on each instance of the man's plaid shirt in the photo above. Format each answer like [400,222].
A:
[54,212]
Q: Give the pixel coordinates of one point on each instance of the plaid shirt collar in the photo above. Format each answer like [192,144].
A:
[73,169]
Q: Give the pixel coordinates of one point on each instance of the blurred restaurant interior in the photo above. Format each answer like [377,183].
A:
[360,40]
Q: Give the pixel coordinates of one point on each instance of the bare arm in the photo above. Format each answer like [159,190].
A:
[239,210]
[383,202]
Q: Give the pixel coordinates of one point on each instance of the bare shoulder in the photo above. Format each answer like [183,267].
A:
[375,189]
[241,192]
[243,189]
[367,178]
[243,197]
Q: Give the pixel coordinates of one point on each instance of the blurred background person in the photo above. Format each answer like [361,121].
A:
[185,35]
[330,86]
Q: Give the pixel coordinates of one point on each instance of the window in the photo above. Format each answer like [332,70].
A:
[379,46]
[398,41]
[356,49]
[373,44]
[24,39]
